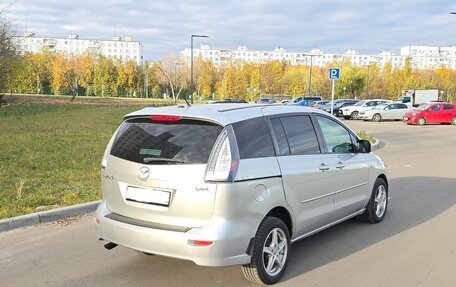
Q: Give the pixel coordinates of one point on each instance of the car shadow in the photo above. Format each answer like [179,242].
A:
[413,200]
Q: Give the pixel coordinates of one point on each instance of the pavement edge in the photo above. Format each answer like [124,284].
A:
[47,216]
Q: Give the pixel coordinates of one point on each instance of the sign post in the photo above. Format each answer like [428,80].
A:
[334,74]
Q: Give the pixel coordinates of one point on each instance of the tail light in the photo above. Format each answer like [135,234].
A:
[165,118]
[224,159]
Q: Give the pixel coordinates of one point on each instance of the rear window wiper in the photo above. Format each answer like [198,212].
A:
[161,159]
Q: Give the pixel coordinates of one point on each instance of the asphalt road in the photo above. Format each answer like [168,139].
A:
[414,246]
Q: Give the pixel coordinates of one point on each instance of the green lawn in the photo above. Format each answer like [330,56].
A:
[50,154]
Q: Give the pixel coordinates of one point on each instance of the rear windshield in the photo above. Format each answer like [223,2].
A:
[181,142]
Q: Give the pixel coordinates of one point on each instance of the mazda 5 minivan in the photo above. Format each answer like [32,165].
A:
[234,184]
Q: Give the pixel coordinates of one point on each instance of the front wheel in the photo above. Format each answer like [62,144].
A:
[376,118]
[354,115]
[421,121]
[270,252]
[453,121]
[378,203]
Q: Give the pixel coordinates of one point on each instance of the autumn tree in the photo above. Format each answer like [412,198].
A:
[8,54]
[170,76]
[105,78]
[270,78]
[84,70]
[206,77]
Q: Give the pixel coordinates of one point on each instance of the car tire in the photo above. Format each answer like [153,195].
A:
[271,249]
[377,118]
[378,203]
[347,117]
[421,122]
[354,115]
[453,121]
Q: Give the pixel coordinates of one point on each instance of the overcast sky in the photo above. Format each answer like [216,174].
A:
[165,26]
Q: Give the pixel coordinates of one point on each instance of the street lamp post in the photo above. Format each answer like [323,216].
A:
[367,92]
[310,74]
[351,88]
[344,88]
[259,81]
[175,77]
[191,63]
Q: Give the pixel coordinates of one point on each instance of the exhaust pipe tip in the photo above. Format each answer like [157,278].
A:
[110,245]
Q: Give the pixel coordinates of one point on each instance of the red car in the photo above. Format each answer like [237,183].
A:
[431,113]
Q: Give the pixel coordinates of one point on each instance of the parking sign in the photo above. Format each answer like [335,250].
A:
[334,73]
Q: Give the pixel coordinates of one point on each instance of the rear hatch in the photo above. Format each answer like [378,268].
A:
[155,171]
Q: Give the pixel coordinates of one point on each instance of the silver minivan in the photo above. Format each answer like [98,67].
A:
[234,184]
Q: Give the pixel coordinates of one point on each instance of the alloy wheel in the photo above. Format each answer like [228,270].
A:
[380,201]
[275,252]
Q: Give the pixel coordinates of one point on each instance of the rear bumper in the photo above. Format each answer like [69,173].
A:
[227,248]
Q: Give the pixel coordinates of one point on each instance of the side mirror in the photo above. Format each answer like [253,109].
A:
[364,146]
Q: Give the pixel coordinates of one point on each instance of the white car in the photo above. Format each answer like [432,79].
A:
[352,112]
[394,111]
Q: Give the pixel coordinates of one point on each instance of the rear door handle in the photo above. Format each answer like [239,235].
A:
[340,165]
[323,167]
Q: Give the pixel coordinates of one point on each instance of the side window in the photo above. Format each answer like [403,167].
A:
[447,107]
[253,138]
[371,104]
[401,106]
[301,135]
[337,138]
[279,133]
[435,108]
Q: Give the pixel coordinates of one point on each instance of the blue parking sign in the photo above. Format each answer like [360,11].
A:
[334,73]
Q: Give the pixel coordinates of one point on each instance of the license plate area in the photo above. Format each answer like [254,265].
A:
[152,196]
[406,118]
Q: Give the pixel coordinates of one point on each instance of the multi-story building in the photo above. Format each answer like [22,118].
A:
[428,57]
[123,49]
[422,57]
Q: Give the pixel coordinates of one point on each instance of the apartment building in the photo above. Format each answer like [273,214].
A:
[430,57]
[123,49]
[422,57]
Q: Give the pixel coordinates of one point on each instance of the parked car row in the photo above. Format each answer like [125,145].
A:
[375,110]
[352,112]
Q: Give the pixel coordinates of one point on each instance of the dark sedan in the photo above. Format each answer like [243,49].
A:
[338,104]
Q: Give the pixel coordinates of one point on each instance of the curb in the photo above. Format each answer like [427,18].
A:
[47,216]
[375,145]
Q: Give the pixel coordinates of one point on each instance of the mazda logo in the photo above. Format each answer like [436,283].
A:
[144,173]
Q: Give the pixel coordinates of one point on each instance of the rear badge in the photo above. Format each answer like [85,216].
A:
[144,173]
[108,176]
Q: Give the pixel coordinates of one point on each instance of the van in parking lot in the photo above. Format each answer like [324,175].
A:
[234,184]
